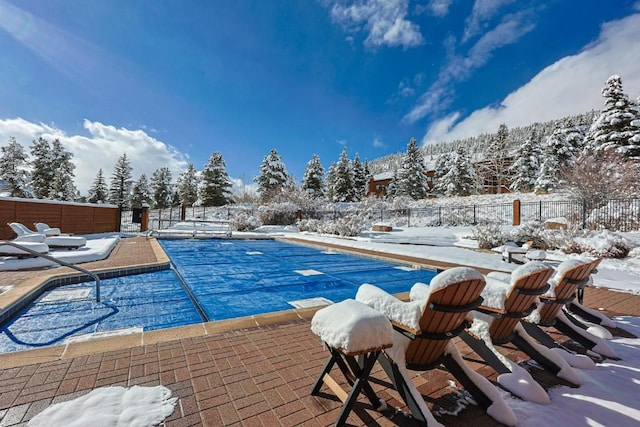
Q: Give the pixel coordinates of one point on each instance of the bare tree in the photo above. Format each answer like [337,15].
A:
[598,177]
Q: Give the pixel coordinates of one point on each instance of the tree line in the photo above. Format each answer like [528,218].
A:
[593,153]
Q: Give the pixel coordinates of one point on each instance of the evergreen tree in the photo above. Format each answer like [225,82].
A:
[497,161]
[273,178]
[564,144]
[525,168]
[343,185]
[42,173]
[141,192]
[121,181]
[187,186]
[443,164]
[62,186]
[216,184]
[412,177]
[13,172]
[330,181]
[618,126]
[360,179]
[161,187]
[547,178]
[312,179]
[461,178]
[98,193]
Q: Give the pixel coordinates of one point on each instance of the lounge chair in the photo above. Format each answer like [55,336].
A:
[569,276]
[12,251]
[423,333]
[498,323]
[67,242]
[44,228]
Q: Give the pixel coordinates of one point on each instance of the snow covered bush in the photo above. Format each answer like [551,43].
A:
[532,231]
[489,235]
[566,240]
[605,244]
[350,226]
[312,225]
[278,214]
[245,222]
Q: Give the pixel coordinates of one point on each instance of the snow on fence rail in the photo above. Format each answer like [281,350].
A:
[615,215]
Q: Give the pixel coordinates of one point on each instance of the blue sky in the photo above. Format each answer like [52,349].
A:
[169,82]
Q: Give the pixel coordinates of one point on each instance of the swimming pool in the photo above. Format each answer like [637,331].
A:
[213,280]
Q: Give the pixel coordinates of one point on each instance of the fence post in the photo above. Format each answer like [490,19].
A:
[183,212]
[119,219]
[540,211]
[408,217]
[144,221]
[516,212]
[474,215]
[584,214]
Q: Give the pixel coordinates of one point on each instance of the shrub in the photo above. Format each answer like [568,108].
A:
[605,244]
[532,231]
[245,222]
[278,214]
[489,235]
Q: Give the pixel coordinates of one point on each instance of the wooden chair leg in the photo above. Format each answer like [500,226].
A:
[356,372]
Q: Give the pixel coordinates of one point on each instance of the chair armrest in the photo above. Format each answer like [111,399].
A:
[491,311]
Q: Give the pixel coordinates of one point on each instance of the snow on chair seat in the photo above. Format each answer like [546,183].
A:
[350,328]
[12,251]
[66,242]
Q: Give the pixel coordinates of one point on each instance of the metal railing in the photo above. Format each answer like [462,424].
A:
[614,214]
[57,261]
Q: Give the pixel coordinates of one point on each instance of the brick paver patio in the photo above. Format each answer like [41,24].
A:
[250,372]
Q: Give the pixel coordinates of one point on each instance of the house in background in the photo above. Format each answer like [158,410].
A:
[486,170]
[378,183]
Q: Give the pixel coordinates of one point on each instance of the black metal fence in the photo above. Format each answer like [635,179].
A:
[615,215]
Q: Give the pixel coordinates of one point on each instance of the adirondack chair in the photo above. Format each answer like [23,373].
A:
[569,275]
[423,333]
[505,304]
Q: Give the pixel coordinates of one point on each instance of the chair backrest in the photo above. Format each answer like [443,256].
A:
[41,227]
[456,292]
[20,229]
[527,282]
[569,275]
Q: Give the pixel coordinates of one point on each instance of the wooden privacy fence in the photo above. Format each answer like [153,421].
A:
[74,218]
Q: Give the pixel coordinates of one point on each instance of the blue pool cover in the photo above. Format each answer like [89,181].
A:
[215,280]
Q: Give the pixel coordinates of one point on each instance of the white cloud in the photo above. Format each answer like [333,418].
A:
[101,149]
[458,68]
[439,8]
[384,20]
[572,85]
[377,142]
[483,10]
